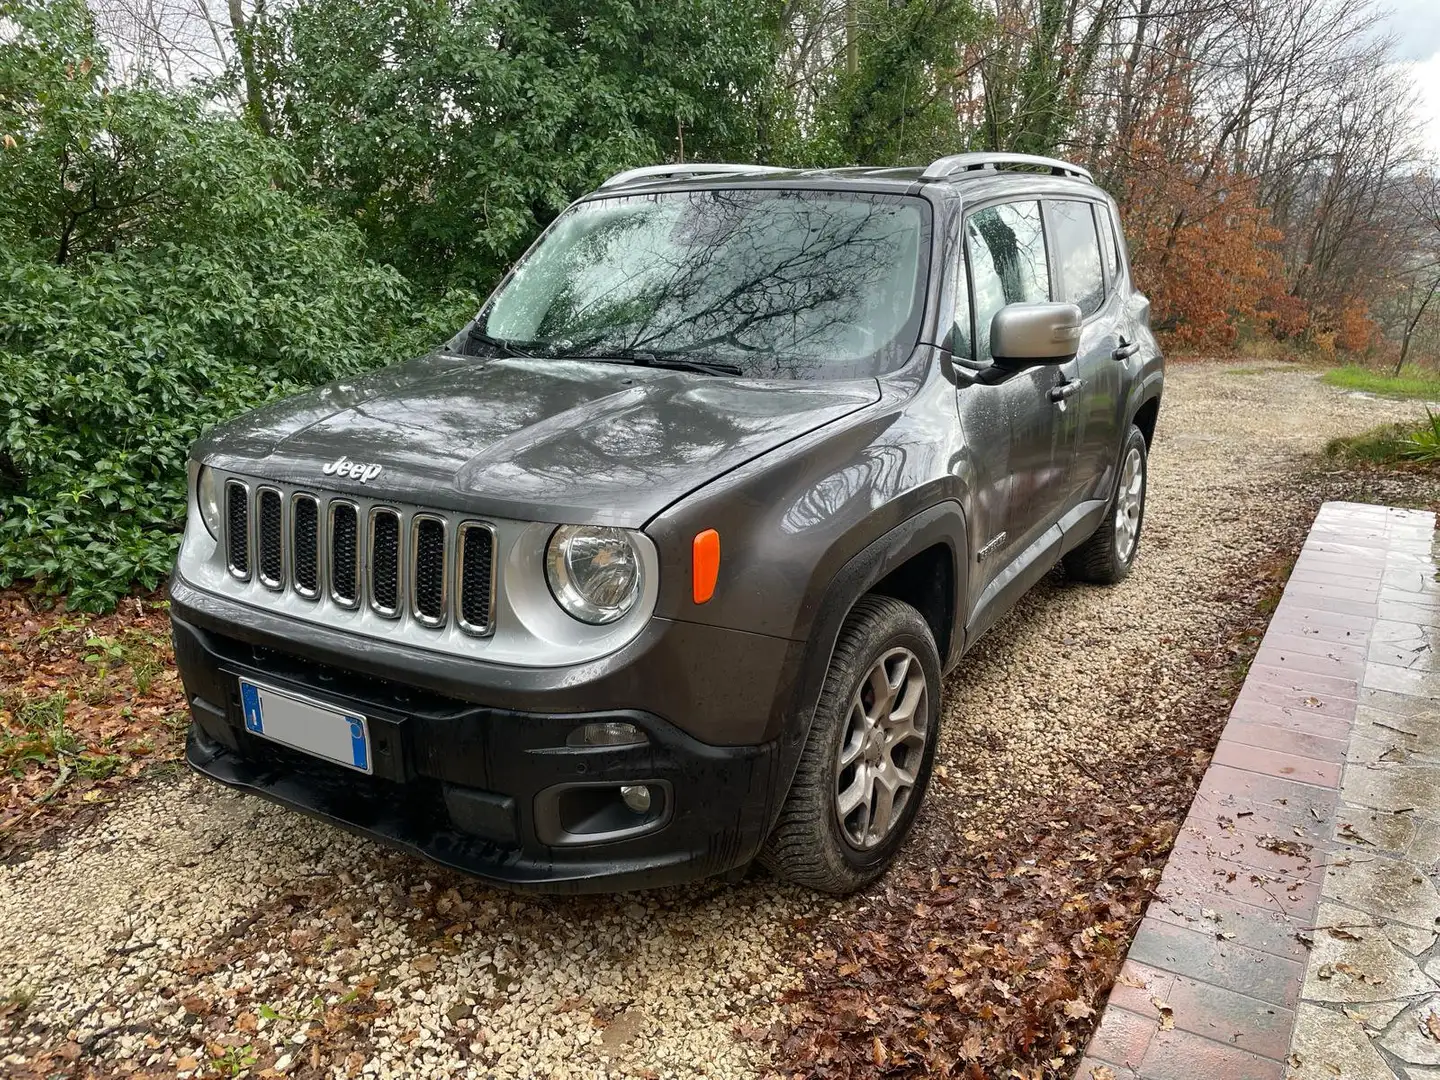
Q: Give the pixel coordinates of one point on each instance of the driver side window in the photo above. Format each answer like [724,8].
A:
[1006,245]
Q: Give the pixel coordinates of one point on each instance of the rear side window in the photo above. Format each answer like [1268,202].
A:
[1107,242]
[1006,245]
[1077,253]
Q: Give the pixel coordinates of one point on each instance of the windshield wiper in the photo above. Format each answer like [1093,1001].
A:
[505,348]
[673,361]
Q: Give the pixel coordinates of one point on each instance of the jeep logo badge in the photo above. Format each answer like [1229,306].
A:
[355,470]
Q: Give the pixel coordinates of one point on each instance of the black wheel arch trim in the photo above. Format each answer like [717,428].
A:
[940,524]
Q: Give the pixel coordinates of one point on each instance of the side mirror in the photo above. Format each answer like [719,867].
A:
[1035,333]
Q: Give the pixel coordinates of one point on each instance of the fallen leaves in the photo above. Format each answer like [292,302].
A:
[89,702]
[994,961]
[1432,1026]
[1167,1014]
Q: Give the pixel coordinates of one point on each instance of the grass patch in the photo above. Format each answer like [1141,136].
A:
[1411,383]
[1392,445]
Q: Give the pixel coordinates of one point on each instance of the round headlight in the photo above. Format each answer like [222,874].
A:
[593,571]
[207,496]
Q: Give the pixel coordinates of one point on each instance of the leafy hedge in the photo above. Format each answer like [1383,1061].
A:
[156,276]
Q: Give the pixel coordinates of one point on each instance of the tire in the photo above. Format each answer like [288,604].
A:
[812,843]
[1108,555]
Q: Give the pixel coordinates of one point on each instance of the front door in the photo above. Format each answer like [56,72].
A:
[1008,263]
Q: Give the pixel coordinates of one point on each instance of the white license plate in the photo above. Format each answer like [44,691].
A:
[307,725]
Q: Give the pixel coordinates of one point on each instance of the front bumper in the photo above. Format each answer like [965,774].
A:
[493,792]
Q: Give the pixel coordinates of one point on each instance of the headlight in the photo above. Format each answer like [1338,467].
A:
[593,572]
[207,495]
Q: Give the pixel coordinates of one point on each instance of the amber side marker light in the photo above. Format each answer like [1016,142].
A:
[706,564]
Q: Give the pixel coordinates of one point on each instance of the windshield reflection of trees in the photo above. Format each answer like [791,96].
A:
[782,285]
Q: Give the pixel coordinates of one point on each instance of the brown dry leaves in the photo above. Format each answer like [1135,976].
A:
[999,958]
[87,703]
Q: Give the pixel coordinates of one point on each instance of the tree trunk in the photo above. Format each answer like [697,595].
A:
[245,45]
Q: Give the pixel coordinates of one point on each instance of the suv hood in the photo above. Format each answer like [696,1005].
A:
[543,440]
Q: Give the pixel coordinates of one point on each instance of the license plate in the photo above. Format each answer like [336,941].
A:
[306,725]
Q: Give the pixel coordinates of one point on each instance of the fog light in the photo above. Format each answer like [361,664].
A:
[608,733]
[636,797]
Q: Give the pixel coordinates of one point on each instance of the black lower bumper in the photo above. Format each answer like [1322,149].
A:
[494,793]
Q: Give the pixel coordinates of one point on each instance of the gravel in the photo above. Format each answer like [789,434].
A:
[194,925]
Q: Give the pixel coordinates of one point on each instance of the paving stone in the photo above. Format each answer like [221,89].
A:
[1278,658]
[1415,681]
[1397,891]
[1200,955]
[1328,1045]
[1424,850]
[1310,645]
[1263,929]
[1289,740]
[1370,968]
[1410,1039]
[1291,719]
[1123,1036]
[1376,1015]
[1180,1055]
[1362,829]
[1399,704]
[1397,788]
[1276,763]
[1335,706]
[1411,941]
[1203,1009]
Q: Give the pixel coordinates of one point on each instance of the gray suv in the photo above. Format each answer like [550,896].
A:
[655,568]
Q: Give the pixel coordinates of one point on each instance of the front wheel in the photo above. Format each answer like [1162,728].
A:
[1108,555]
[866,763]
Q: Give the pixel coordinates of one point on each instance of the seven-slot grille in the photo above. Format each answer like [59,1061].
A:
[356,557]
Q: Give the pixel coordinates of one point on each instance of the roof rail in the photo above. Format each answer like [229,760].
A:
[665,172]
[946,167]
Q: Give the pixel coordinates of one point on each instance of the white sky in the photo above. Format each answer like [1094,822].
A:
[1415,25]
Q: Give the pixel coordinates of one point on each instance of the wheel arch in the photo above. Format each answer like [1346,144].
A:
[926,551]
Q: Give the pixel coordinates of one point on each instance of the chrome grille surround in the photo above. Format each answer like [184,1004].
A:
[269,538]
[237,529]
[344,549]
[305,564]
[385,559]
[429,566]
[475,601]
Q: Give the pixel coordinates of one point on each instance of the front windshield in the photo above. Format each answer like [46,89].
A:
[777,283]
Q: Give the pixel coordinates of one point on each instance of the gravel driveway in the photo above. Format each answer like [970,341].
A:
[194,926]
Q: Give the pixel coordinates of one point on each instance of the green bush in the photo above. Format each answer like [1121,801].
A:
[156,276]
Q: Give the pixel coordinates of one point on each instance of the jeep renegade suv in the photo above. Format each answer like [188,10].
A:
[657,566]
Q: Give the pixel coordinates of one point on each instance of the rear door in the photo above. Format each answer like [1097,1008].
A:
[1084,275]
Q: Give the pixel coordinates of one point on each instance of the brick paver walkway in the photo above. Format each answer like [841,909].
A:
[1293,934]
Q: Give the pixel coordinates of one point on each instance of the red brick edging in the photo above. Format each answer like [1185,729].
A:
[1214,973]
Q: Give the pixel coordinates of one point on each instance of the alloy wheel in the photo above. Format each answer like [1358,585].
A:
[884,743]
[1129,502]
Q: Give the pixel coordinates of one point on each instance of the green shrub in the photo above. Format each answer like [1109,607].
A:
[156,276]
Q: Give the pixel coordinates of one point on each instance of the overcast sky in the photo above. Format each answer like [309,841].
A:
[1415,25]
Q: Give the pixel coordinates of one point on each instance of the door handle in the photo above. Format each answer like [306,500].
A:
[1066,389]
[1126,350]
